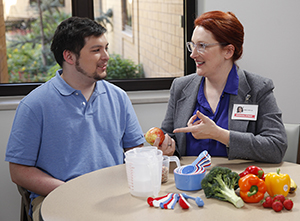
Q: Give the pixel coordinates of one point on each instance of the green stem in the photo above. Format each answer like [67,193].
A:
[278,171]
[253,190]
[260,173]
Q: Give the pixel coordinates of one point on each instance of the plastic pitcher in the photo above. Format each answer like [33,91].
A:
[144,168]
[166,166]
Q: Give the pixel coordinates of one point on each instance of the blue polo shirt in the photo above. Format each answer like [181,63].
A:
[193,146]
[58,131]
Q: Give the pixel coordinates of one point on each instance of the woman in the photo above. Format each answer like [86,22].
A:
[204,101]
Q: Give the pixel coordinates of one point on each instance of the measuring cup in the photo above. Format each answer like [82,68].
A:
[143,169]
[166,166]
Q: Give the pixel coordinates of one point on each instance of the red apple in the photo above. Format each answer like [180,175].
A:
[153,133]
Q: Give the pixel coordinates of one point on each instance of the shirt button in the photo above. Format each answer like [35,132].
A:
[76,94]
[83,103]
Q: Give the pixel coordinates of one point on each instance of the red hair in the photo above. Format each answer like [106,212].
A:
[225,27]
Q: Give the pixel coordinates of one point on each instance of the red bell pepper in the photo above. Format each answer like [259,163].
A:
[253,170]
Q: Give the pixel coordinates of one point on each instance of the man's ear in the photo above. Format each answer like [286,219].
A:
[229,51]
[69,57]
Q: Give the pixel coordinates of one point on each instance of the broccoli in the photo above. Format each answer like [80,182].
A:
[221,183]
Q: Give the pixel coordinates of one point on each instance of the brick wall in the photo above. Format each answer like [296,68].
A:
[157,36]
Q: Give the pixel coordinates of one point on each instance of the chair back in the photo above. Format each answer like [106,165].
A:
[292,153]
[25,204]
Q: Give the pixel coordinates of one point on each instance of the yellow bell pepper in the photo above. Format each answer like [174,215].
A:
[277,183]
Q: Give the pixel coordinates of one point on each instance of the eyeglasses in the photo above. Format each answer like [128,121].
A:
[200,47]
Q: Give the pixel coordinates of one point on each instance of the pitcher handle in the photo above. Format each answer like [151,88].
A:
[176,160]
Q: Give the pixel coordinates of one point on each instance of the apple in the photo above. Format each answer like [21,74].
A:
[153,133]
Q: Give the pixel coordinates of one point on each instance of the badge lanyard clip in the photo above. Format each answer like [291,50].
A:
[247,98]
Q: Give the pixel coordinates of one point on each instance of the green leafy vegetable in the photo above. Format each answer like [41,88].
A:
[221,183]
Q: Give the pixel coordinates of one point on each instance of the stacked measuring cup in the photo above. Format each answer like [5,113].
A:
[189,177]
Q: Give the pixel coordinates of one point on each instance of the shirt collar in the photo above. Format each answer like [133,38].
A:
[65,89]
[232,84]
[61,85]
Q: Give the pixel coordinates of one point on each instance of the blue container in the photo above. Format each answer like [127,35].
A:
[188,182]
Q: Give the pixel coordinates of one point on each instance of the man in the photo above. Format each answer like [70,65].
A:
[76,122]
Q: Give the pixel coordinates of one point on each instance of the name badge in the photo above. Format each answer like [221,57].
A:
[244,112]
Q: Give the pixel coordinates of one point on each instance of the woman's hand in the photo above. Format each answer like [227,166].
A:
[204,128]
[200,129]
[167,147]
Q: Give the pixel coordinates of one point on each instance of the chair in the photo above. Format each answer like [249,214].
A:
[25,204]
[292,154]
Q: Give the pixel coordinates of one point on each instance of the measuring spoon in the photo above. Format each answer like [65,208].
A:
[203,157]
[198,200]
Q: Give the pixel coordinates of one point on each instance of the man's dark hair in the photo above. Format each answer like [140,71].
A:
[70,35]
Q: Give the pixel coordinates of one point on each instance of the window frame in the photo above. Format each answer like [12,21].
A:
[85,9]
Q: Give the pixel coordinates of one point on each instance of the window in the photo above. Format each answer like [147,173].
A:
[62,2]
[29,28]
[151,35]
[127,15]
[162,54]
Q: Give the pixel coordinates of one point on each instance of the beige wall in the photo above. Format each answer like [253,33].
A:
[16,9]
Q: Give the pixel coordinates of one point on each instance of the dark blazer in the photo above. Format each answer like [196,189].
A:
[262,140]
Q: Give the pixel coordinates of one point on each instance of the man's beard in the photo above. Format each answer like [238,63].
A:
[95,75]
